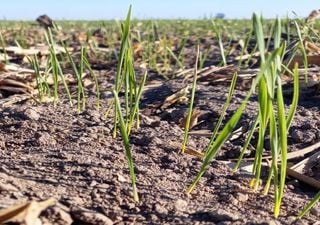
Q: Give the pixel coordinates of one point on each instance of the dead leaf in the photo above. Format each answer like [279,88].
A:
[178,97]
[311,47]
[193,152]
[35,50]
[312,59]
[26,213]
[188,150]
[196,112]
[137,49]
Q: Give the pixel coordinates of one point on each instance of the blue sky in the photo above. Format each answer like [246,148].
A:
[112,9]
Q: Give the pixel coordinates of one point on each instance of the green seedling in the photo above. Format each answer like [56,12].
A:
[56,68]
[224,110]
[217,30]
[271,114]
[125,138]
[194,85]
[123,52]
[41,81]
[81,95]
[310,205]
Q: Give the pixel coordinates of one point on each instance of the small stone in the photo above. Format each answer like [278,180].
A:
[102,187]
[93,183]
[31,114]
[180,205]
[300,222]
[241,197]
[305,112]
[226,197]
[160,209]
[315,211]
[8,187]
[121,178]
[45,139]
[153,217]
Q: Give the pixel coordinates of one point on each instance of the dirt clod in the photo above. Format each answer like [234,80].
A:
[87,217]
[218,215]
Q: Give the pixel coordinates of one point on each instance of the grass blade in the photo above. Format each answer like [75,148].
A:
[310,205]
[220,140]
[125,138]
[194,84]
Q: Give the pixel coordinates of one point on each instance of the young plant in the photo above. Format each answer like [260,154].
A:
[126,79]
[217,30]
[271,114]
[42,84]
[125,138]
[56,68]
[121,59]
[81,95]
[194,84]
[224,110]
[134,112]
[310,205]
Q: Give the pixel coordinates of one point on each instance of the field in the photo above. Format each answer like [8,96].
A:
[95,116]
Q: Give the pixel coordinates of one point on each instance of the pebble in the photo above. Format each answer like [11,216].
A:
[45,138]
[241,197]
[152,217]
[8,187]
[31,114]
[305,112]
[102,187]
[315,211]
[180,205]
[160,209]
[121,178]
[226,197]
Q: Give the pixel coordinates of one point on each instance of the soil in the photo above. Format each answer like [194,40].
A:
[53,151]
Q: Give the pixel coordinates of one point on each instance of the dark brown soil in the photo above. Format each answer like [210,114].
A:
[52,151]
